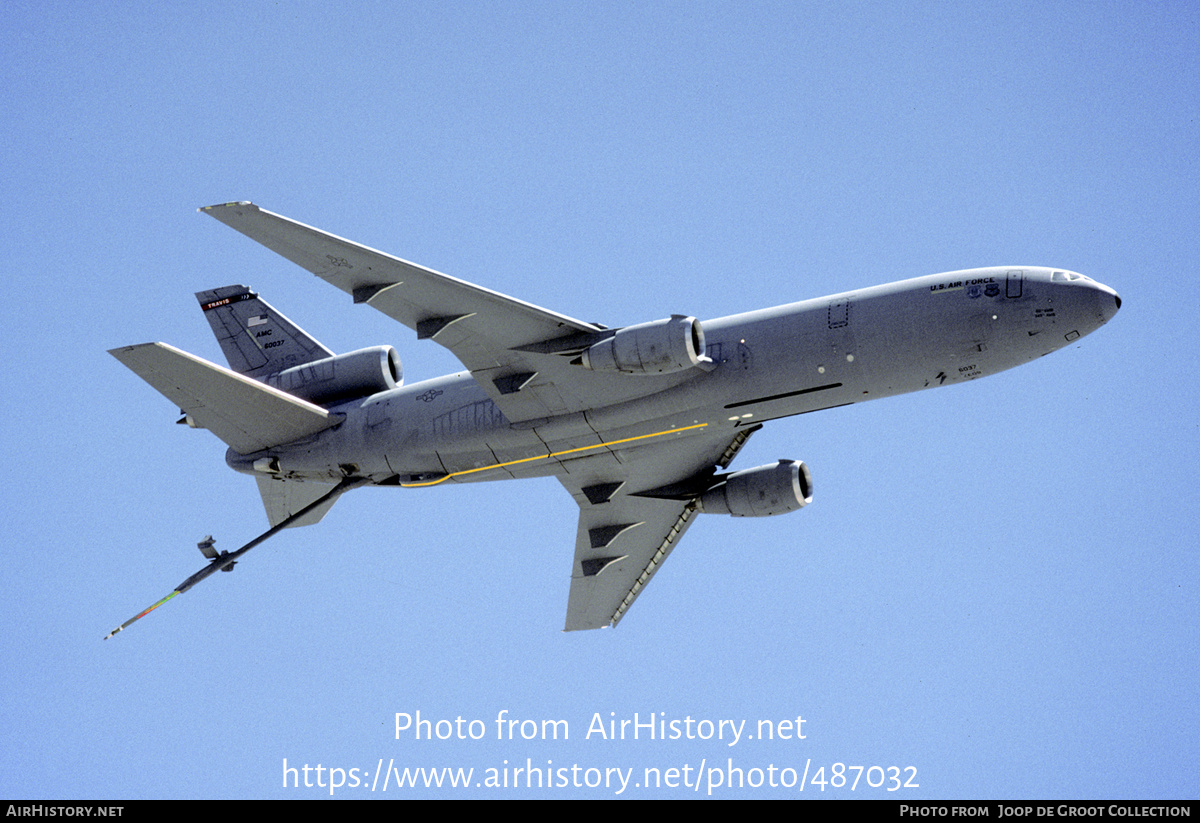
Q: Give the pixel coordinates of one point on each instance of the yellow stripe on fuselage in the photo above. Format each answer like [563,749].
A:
[553,454]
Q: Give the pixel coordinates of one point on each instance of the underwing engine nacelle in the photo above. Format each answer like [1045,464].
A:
[762,491]
[342,377]
[658,347]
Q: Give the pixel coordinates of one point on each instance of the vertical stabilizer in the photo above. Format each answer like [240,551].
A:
[257,340]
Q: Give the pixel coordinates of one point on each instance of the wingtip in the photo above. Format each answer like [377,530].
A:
[225,205]
[120,350]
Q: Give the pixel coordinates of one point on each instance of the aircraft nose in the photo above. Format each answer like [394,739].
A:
[1105,299]
[1111,295]
[1100,303]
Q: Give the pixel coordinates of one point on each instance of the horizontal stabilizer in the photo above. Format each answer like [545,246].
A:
[247,415]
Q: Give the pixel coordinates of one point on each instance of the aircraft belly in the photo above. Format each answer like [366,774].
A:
[541,452]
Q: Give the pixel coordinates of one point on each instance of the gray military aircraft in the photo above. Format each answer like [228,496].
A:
[639,423]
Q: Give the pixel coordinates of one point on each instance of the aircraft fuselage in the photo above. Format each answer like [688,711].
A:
[792,359]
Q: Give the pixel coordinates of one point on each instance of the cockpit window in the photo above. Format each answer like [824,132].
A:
[1065,276]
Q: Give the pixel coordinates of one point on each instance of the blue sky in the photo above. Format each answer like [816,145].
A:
[996,584]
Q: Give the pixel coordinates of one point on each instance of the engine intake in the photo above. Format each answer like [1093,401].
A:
[762,491]
[658,347]
[343,377]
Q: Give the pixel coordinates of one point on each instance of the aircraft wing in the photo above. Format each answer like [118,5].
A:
[518,352]
[623,536]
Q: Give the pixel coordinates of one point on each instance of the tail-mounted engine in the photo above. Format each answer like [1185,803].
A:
[342,377]
[658,347]
[762,491]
